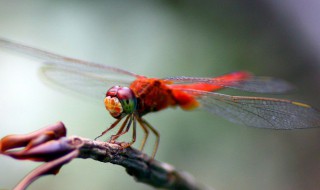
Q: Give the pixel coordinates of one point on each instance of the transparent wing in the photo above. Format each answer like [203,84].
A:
[87,83]
[259,112]
[62,61]
[251,84]
[262,84]
[81,76]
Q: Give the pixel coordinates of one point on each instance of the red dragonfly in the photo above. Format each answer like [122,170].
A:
[131,96]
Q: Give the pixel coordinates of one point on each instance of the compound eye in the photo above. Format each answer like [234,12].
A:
[120,101]
[128,100]
[113,105]
[113,91]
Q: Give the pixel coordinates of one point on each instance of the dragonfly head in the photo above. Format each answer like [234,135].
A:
[120,101]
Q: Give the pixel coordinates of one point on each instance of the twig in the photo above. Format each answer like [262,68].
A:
[51,146]
[143,168]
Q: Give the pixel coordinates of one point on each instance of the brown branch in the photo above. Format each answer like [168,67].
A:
[51,146]
[143,168]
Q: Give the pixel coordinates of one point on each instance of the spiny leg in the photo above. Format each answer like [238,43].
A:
[146,134]
[133,132]
[156,133]
[119,133]
[111,127]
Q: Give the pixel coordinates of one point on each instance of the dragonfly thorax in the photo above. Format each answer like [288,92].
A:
[120,101]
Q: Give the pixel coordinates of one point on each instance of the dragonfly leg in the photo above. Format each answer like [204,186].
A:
[120,131]
[111,127]
[133,132]
[146,134]
[155,132]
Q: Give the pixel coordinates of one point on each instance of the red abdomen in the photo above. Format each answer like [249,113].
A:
[156,94]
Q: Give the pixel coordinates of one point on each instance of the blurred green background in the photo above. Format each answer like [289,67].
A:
[160,39]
